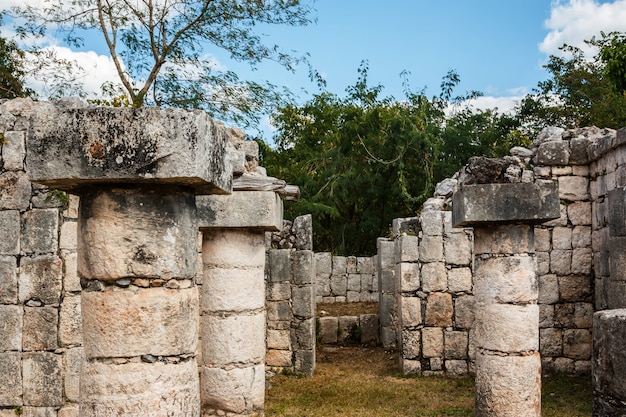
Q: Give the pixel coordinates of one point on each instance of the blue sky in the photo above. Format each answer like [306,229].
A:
[498,47]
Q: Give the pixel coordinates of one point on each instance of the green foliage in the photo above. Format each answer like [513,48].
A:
[613,55]
[11,70]
[161,50]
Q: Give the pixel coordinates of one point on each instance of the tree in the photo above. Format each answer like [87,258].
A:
[578,92]
[613,55]
[11,70]
[159,47]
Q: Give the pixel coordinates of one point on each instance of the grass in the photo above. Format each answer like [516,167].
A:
[365,382]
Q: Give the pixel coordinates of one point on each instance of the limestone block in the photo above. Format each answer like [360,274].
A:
[351,267]
[581,261]
[432,342]
[126,233]
[13,150]
[8,280]
[581,237]
[304,362]
[411,367]
[434,277]
[364,265]
[439,309]
[543,239]
[278,339]
[579,150]
[277,291]
[431,222]
[39,412]
[411,343]
[140,389]
[548,289]
[9,232]
[464,314]
[509,202]
[579,213]
[304,333]
[322,285]
[40,328]
[71,282]
[405,226]
[11,327]
[303,231]
[503,239]
[303,301]
[323,263]
[232,289]
[617,212]
[508,386]
[575,287]
[411,311]
[577,344]
[508,328]
[339,284]
[156,321]
[233,339]
[458,249]
[456,367]
[562,238]
[561,262]
[508,279]
[238,390]
[279,265]
[558,171]
[455,345]
[407,276]
[369,328]
[366,282]
[406,249]
[70,323]
[10,379]
[42,378]
[278,358]
[386,281]
[328,329]
[258,210]
[69,410]
[573,188]
[551,342]
[386,309]
[609,361]
[40,231]
[553,153]
[72,360]
[15,191]
[73,147]
[388,337]
[386,251]
[583,315]
[353,296]
[354,282]
[561,220]
[431,249]
[564,315]
[40,280]
[69,235]
[279,311]
[340,265]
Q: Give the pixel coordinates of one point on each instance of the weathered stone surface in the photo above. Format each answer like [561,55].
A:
[464,314]
[278,358]
[140,389]
[407,276]
[279,264]
[73,360]
[8,280]
[411,311]
[486,203]
[460,280]
[456,367]
[577,344]
[158,321]
[40,231]
[609,361]
[561,262]
[303,301]
[9,232]
[15,191]
[551,342]
[238,390]
[508,279]
[431,222]
[69,236]
[328,329]
[233,339]
[303,230]
[233,289]
[573,188]
[10,379]
[339,285]
[581,237]
[579,213]
[42,378]
[543,239]
[11,327]
[503,239]
[553,153]
[347,329]
[617,212]
[40,328]
[304,362]
[508,386]
[582,260]
[458,249]
[431,249]
[40,279]
[575,288]
[354,283]
[69,410]
[455,345]
[508,328]
[258,210]
[323,263]
[69,148]
[278,339]
[279,311]
[302,267]
[71,282]
[410,344]
[70,322]
[548,289]
[137,233]
[369,328]
[434,277]
[13,150]
[406,249]
[439,309]
[432,342]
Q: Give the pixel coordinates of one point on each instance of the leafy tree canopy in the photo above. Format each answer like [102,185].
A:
[11,70]
[160,48]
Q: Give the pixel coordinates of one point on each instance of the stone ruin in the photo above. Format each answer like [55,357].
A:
[177,283]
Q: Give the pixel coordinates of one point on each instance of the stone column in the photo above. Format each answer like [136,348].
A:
[508,364]
[233,322]
[137,172]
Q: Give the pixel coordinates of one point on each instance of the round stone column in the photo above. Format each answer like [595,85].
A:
[136,260]
[233,319]
[508,363]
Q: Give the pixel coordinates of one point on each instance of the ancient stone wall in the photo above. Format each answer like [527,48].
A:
[340,279]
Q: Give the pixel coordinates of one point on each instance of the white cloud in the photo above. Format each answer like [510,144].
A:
[574,21]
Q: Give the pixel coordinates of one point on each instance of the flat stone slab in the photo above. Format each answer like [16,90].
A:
[72,148]
[262,210]
[529,203]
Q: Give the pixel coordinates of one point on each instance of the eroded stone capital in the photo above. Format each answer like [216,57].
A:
[261,210]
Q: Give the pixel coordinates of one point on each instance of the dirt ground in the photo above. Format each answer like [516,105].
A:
[346,309]
[359,359]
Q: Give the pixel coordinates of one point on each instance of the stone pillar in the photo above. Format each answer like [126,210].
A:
[508,364]
[609,363]
[616,285]
[233,319]
[137,172]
